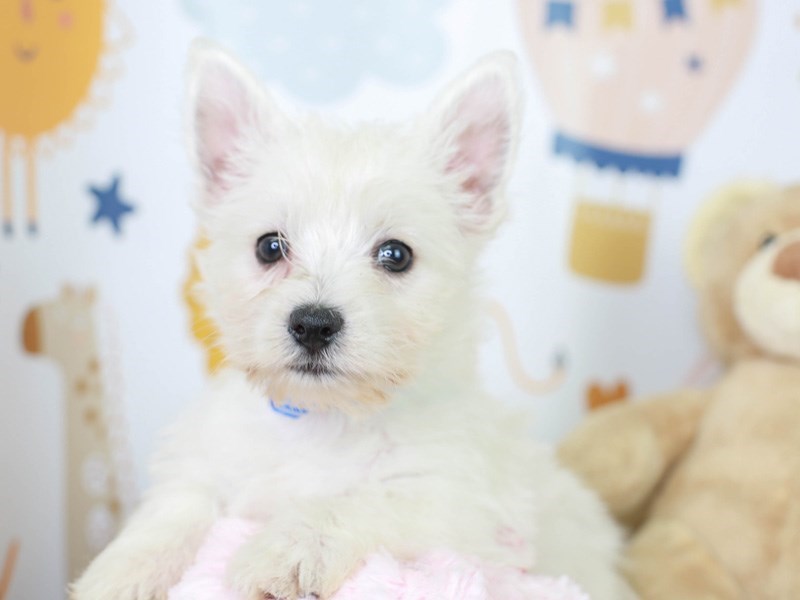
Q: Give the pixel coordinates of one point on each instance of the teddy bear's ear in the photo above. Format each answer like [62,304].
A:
[714,215]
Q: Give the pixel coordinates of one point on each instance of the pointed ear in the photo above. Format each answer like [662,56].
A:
[229,113]
[476,127]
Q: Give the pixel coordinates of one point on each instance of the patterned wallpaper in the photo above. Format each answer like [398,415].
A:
[635,111]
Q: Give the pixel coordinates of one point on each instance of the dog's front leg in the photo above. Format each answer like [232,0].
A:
[156,546]
[312,547]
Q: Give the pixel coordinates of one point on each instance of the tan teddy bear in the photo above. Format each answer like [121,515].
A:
[709,480]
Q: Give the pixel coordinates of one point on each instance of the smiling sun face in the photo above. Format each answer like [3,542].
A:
[49,52]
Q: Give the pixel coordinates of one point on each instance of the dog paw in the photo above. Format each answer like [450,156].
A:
[123,576]
[118,583]
[289,566]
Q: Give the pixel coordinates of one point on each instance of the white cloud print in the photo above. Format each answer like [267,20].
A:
[322,49]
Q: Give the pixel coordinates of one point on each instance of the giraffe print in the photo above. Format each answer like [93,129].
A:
[65,331]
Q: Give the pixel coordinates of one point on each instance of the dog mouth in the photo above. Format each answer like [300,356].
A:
[313,369]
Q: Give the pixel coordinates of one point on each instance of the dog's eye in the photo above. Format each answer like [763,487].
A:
[270,248]
[768,240]
[394,256]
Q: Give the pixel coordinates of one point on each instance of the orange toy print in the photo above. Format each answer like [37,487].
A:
[9,564]
[599,395]
[50,52]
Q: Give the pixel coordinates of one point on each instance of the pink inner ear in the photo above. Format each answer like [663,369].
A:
[480,155]
[218,133]
[482,124]
[224,114]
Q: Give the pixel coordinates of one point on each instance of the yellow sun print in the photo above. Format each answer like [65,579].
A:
[50,51]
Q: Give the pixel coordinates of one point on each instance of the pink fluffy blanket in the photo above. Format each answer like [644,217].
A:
[435,576]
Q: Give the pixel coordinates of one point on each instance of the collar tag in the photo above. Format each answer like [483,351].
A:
[288,410]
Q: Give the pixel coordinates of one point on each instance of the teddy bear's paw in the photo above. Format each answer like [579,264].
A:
[618,456]
[287,566]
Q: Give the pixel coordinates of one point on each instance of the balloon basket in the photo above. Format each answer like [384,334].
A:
[609,242]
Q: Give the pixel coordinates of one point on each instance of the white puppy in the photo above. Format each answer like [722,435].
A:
[341,273]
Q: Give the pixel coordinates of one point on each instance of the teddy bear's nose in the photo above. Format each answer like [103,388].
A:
[787,263]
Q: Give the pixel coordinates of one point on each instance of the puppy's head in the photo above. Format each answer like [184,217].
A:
[340,260]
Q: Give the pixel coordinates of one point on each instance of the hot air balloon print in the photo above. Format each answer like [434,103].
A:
[631,83]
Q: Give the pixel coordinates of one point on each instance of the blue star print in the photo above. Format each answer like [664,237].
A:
[110,206]
[559,13]
[674,9]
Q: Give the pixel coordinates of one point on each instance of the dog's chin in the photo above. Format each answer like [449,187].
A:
[319,386]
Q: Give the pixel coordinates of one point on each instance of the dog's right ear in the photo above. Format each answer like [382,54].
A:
[475,125]
[229,114]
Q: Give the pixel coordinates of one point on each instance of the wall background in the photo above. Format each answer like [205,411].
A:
[90,372]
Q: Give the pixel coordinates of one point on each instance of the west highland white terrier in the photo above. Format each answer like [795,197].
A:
[342,273]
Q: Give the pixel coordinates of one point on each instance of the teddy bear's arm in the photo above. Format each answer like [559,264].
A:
[623,451]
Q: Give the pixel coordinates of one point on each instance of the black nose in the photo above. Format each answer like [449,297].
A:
[314,327]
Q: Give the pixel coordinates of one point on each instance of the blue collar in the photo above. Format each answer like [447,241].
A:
[288,410]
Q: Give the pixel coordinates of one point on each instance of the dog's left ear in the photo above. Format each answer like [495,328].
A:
[476,129]
[230,114]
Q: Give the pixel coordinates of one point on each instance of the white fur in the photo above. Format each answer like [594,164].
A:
[400,449]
